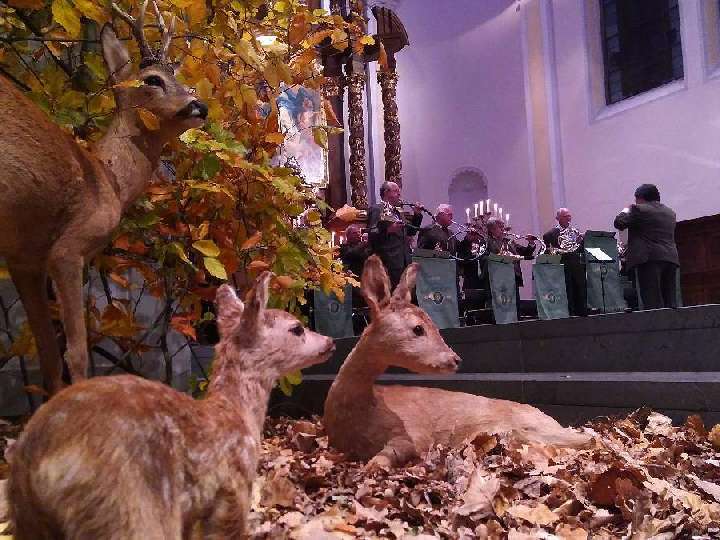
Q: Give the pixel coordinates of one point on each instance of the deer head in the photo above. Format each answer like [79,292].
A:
[405,335]
[284,344]
[173,104]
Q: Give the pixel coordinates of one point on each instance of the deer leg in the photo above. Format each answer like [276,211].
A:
[67,277]
[227,519]
[31,284]
[396,452]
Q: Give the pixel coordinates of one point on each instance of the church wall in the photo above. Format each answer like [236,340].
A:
[668,136]
[461,103]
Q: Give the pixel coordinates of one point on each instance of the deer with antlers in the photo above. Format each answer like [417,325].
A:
[390,425]
[59,204]
[157,464]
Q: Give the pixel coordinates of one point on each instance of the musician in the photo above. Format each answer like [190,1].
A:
[567,240]
[467,250]
[354,252]
[390,232]
[651,253]
[500,244]
[438,235]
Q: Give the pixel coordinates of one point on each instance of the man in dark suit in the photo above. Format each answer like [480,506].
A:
[354,252]
[438,235]
[652,254]
[571,251]
[390,232]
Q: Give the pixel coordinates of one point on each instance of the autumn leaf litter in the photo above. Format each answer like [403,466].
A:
[643,479]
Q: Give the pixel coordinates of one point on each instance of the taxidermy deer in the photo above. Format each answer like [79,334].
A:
[157,464]
[390,425]
[59,204]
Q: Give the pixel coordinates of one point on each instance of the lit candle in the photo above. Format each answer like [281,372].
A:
[476,208]
[495,209]
[332,239]
[507,218]
[500,212]
[487,206]
[467,214]
[481,207]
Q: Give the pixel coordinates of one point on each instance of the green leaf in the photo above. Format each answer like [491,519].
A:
[208,166]
[215,267]
[178,249]
[207,247]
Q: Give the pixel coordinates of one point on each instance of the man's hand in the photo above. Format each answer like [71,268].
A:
[417,208]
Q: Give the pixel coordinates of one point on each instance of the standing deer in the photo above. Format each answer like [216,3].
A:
[59,204]
[157,464]
[390,425]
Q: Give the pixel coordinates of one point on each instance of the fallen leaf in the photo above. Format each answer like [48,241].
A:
[478,499]
[537,515]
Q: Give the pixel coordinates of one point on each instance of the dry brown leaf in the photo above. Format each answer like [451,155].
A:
[347,213]
[714,437]
[537,515]
[659,424]
[708,487]
[478,499]
[278,491]
[568,532]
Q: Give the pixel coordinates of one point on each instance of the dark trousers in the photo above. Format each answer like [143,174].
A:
[575,284]
[657,284]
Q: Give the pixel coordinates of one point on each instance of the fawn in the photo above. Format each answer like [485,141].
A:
[147,462]
[390,425]
[59,203]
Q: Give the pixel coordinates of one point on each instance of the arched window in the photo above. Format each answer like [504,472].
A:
[468,186]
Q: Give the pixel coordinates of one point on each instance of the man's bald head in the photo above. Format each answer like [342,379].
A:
[390,192]
[563,216]
[353,234]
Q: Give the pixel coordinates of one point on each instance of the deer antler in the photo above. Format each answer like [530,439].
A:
[136,27]
[166,33]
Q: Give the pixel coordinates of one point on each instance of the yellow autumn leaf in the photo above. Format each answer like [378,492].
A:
[207,248]
[367,40]
[252,241]
[275,138]
[92,10]
[151,121]
[320,137]
[69,17]
[215,267]
[128,83]
[204,88]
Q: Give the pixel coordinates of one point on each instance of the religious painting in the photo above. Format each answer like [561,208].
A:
[300,110]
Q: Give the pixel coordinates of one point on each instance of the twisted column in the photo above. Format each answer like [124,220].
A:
[358,173]
[393,160]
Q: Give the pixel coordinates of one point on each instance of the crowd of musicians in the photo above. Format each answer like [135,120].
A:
[649,257]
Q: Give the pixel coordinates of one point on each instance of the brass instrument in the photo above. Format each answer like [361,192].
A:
[569,240]
[540,246]
[389,213]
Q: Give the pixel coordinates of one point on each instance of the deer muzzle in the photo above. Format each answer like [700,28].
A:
[194,109]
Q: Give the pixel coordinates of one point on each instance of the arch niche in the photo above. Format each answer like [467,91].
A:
[468,185]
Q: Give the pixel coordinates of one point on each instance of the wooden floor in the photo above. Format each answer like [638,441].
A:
[574,369]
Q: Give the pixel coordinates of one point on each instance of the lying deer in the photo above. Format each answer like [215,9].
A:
[145,461]
[59,204]
[390,425]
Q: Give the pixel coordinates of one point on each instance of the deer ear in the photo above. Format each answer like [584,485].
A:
[255,302]
[403,291]
[230,309]
[115,54]
[375,283]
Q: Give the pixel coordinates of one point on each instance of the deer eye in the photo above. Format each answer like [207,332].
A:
[297,330]
[154,80]
[419,330]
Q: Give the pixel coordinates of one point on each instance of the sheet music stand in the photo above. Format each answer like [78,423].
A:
[604,291]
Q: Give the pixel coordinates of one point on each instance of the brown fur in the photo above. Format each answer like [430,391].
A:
[147,462]
[390,425]
[59,204]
